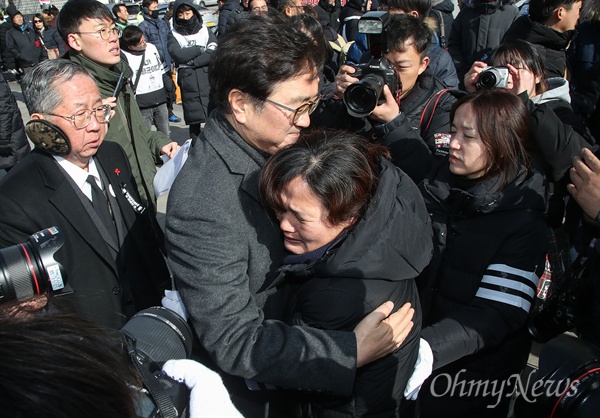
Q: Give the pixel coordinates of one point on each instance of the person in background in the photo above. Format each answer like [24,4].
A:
[156,31]
[191,45]
[258,6]
[50,14]
[550,26]
[9,64]
[23,44]
[290,8]
[329,13]
[145,62]
[477,30]
[224,247]
[356,233]
[48,37]
[121,15]
[14,146]
[227,8]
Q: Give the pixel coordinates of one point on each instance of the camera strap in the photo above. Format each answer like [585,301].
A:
[161,398]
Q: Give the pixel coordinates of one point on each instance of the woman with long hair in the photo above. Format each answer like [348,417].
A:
[48,37]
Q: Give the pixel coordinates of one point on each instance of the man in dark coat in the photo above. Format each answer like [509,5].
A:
[22,43]
[329,13]
[550,27]
[9,65]
[114,267]
[224,247]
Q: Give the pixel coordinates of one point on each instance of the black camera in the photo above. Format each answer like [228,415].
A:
[567,383]
[151,337]
[29,269]
[492,77]
[362,97]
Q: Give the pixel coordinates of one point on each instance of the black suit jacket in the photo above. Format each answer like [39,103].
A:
[36,195]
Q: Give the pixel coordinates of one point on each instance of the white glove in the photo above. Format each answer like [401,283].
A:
[172,300]
[208,397]
[423,369]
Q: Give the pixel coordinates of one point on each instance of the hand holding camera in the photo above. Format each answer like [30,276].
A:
[344,78]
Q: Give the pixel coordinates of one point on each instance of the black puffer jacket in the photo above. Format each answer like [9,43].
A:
[375,262]
[475,34]
[8,59]
[550,44]
[329,14]
[13,142]
[349,16]
[191,53]
[477,291]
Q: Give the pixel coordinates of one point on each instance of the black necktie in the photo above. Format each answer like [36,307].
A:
[100,204]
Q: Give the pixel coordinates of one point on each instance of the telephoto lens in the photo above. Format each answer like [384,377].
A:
[29,269]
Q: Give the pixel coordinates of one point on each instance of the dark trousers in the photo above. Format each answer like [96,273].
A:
[170,90]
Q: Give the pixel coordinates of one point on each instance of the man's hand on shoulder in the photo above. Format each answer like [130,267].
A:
[380,333]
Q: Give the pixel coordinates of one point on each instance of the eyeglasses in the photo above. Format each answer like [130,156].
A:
[37,21]
[83,118]
[300,111]
[105,33]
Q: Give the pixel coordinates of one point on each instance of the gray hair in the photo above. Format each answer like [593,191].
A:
[40,85]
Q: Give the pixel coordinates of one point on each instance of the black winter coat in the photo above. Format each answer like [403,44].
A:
[192,73]
[13,142]
[8,59]
[373,263]
[478,289]
[550,44]
[475,34]
[406,136]
[25,46]
[329,14]
[442,13]
[349,17]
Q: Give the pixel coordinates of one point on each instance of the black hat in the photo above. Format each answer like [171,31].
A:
[12,11]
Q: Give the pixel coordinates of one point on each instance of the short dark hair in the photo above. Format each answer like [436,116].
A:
[147,3]
[63,366]
[117,8]
[520,53]
[421,6]
[503,126]
[340,167]
[74,12]
[131,37]
[245,59]
[403,28]
[541,10]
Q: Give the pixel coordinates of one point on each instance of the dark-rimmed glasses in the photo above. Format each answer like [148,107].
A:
[105,33]
[300,111]
[83,118]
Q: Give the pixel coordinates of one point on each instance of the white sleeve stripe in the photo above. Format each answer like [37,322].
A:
[511,270]
[503,297]
[511,284]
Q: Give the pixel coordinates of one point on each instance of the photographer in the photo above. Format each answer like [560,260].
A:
[398,120]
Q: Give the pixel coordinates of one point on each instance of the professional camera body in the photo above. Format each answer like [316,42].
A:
[492,77]
[362,97]
[29,269]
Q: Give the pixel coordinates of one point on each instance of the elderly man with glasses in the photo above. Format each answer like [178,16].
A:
[83,185]
[87,26]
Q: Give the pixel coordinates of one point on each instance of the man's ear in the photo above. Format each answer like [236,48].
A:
[413,13]
[240,105]
[424,64]
[73,41]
